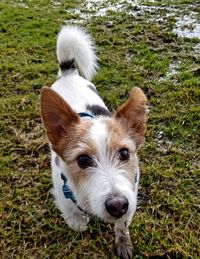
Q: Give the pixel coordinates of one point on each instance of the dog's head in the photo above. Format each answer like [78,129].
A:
[99,154]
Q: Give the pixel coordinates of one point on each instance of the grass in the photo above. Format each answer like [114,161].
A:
[133,50]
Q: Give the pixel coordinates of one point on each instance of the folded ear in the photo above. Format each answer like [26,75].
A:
[57,115]
[133,114]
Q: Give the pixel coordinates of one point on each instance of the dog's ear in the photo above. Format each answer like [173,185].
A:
[57,115]
[133,114]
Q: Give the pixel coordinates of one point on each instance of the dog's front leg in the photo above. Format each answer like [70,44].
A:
[123,244]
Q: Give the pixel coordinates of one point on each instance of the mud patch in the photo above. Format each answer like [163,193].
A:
[173,69]
[99,8]
[196,49]
[188,26]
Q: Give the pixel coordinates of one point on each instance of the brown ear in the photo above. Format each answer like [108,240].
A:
[57,115]
[133,114]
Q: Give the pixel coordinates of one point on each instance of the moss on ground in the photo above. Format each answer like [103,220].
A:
[134,50]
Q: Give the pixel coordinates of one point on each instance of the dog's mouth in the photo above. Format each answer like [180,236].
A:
[112,220]
[115,208]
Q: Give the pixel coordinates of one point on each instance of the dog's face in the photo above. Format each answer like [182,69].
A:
[99,154]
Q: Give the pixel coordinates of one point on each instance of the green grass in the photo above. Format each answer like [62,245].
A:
[133,51]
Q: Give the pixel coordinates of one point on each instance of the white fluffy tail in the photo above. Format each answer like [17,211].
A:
[76,50]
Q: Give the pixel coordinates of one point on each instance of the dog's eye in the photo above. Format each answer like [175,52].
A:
[84,161]
[124,154]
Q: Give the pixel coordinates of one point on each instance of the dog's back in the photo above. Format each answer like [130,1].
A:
[76,58]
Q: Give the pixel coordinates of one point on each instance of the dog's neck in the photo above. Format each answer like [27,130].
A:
[69,194]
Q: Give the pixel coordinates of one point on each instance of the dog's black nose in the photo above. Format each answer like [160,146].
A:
[117,206]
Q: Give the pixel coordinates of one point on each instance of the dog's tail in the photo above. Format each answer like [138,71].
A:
[75,50]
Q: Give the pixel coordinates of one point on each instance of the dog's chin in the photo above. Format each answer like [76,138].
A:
[111,220]
[101,213]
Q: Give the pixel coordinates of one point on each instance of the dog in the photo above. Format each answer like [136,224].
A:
[95,168]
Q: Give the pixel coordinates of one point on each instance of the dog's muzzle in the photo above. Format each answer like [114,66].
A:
[117,205]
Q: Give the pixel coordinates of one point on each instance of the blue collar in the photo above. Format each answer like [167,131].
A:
[85,115]
[68,192]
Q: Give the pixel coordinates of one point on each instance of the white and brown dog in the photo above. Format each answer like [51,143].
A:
[94,153]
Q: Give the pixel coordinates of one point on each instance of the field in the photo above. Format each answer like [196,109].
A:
[151,44]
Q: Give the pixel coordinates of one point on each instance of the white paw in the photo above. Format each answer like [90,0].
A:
[77,222]
[124,248]
[123,244]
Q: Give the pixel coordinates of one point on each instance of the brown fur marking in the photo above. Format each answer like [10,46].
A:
[57,115]
[133,113]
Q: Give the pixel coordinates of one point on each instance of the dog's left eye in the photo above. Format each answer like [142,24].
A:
[84,161]
[124,154]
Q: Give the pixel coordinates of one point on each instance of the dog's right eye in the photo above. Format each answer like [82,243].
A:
[124,154]
[84,161]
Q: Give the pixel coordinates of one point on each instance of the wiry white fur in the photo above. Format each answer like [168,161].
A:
[108,177]
[73,42]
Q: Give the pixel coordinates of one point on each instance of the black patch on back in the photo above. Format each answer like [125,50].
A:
[68,64]
[92,88]
[98,110]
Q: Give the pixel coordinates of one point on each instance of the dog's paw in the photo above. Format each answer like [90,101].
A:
[78,222]
[123,247]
